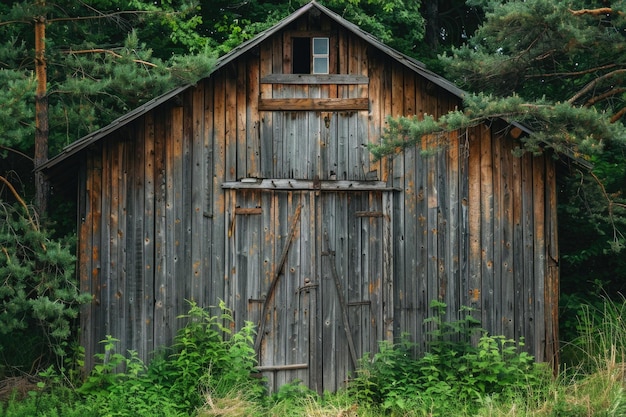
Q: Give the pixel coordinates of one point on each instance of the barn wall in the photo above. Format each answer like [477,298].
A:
[469,224]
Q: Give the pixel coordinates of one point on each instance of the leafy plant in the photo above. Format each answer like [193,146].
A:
[206,361]
[454,370]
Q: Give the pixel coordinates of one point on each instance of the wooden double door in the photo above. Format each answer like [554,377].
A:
[312,270]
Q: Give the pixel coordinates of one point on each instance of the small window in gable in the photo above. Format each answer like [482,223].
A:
[320,56]
[310,55]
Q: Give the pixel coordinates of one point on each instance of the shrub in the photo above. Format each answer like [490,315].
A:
[206,361]
[454,372]
[39,295]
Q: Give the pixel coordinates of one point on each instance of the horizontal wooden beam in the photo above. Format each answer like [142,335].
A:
[282,367]
[321,104]
[293,185]
[246,210]
[343,79]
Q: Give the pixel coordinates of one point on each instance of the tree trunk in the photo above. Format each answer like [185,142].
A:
[41,114]
[431,12]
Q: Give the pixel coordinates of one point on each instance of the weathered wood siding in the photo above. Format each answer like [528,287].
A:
[331,240]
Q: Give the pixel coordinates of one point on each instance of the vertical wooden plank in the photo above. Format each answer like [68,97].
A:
[231,258]
[331,219]
[298,270]
[277,118]
[403,177]
[552,263]
[417,254]
[363,117]
[498,241]
[487,226]
[376,115]
[106,284]
[388,249]
[135,243]
[198,195]
[506,203]
[97,248]
[464,221]
[176,254]
[528,251]
[241,112]
[355,161]
[85,258]
[116,234]
[267,166]
[126,151]
[267,347]
[316,355]
[431,235]
[148,236]
[376,286]
[539,256]
[474,223]
[163,327]
[215,98]
[186,202]
[230,120]
[212,215]
[518,246]
[355,280]
[253,128]
[452,261]
[430,209]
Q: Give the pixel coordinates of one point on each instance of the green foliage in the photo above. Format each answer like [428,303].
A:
[574,131]
[397,23]
[456,377]
[39,298]
[455,373]
[206,359]
[103,60]
[601,333]
[560,73]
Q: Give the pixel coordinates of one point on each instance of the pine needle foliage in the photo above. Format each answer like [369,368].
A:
[39,296]
[566,129]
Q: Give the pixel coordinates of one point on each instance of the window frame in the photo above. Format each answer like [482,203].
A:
[320,56]
[291,53]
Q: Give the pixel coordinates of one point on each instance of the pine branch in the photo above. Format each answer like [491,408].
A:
[570,74]
[595,12]
[618,115]
[617,235]
[21,201]
[595,99]
[110,52]
[560,126]
[6,148]
[591,85]
[12,22]
[107,15]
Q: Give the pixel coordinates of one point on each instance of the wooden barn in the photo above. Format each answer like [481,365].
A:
[254,186]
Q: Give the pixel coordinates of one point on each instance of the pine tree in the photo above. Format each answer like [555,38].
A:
[71,68]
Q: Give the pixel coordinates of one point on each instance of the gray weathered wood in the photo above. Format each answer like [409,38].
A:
[192,197]
[309,79]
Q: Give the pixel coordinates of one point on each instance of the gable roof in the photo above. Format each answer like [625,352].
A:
[409,62]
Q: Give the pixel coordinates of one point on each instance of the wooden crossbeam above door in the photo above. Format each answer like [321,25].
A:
[293,185]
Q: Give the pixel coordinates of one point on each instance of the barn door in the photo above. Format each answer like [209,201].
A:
[353,252]
[308,268]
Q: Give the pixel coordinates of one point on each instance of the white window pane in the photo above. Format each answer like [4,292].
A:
[320,46]
[320,65]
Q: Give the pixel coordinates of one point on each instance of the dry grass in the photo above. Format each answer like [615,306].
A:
[17,386]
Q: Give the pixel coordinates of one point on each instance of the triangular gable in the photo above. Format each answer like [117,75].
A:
[411,63]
